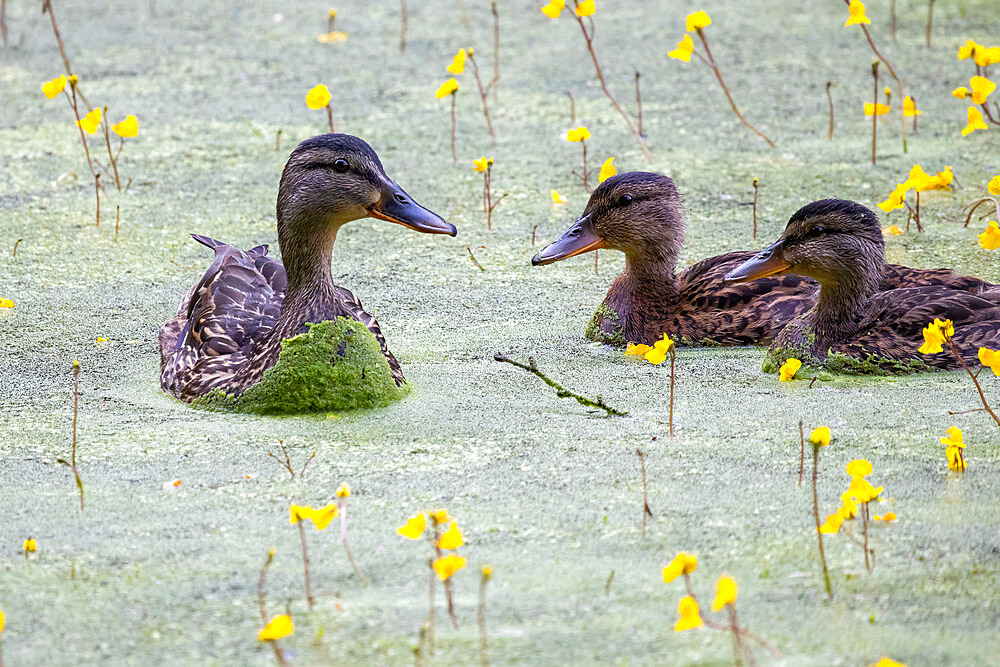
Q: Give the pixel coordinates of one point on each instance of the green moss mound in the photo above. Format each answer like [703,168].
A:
[594,331]
[334,366]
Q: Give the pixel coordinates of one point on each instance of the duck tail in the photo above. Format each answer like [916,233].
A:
[208,242]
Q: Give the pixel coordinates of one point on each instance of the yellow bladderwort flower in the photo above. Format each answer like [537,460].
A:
[990,238]
[487,571]
[126,129]
[981,88]
[321,517]
[889,516]
[696,21]
[91,121]
[820,436]
[683,563]
[318,96]
[896,198]
[661,348]
[975,121]
[585,8]
[788,370]
[447,566]
[857,14]
[910,107]
[6,303]
[968,49]
[579,134]
[961,92]
[639,350]
[607,170]
[344,491]
[954,444]
[556,197]
[684,49]
[725,592]
[414,527]
[935,335]
[52,88]
[877,109]
[944,178]
[920,180]
[554,7]
[30,546]
[331,37]
[457,65]
[892,230]
[482,163]
[990,359]
[440,517]
[993,187]
[887,662]
[3,621]
[449,87]
[277,627]
[452,538]
[859,468]
[832,524]
[690,617]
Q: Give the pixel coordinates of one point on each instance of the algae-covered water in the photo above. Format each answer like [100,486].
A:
[546,492]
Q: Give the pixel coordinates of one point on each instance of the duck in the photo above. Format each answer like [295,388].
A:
[641,214]
[839,244]
[229,326]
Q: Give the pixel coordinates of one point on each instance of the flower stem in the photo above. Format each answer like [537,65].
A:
[725,89]
[494,83]
[107,142]
[484,658]
[802,451]
[278,653]
[482,96]
[329,117]
[875,110]
[454,156]
[864,532]
[975,380]
[638,102]
[819,534]
[755,193]
[430,613]
[974,205]
[930,24]
[646,512]
[892,72]
[402,25]
[342,503]
[829,99]
[673,358]
[305,563]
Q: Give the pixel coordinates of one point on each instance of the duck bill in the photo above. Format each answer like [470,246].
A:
[768,262]
[578,239]
[396,206]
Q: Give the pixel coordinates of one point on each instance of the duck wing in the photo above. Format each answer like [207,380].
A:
[897,276]
[355,310]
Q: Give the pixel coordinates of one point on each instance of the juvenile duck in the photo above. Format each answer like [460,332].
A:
[839,244]
[640,214]
[229,327]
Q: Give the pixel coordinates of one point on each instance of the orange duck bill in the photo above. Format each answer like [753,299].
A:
[768,262]
[395,205]
[578,239]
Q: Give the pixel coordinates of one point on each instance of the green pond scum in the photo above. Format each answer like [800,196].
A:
[549,496]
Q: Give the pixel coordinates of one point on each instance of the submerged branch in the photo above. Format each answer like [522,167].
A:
[561,391]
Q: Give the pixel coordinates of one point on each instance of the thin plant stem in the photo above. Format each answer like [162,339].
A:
[484,657]
[473,258]
[6,43]
[83,139]
[975,380]
[974,205]
[305,563]
[279,655]
[482,96]
[892,19]
[917,216]
[646,512]
[342,503]
[572,108]
[561,391]
[277,140]
[718,75]
[638,102]
[118,215]
[734,627]
[448,596]
[329,117]
[802,451]
[819,534]
[829,99]
[287,463]
[430,613]
[494,83]
[454,155]
[673,358]
[18,242]
[874,109]
[589,38]
[743,632]
[107,142]
[930,22]
[97,193]
[596,255]
[585,185]
[403,20]
[755,193]
[864,531]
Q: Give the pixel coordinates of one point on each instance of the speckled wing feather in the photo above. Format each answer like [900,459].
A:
[897,276]
[353,305]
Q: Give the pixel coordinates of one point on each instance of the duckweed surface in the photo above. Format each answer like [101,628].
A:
[545,492]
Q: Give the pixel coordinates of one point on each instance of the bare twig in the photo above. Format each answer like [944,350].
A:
[302,473]
[974,205]
[829,98]
[646,512]
[930,25]
[638,102]
[18,242]
[533,230]
[482,95]
[473,258]
[277,138]
[561,391]
[287,463]
[71,464]
[494,83]
[975,380]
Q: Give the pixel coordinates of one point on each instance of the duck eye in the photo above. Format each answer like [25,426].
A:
[340,165]
[625,200]
[815,230]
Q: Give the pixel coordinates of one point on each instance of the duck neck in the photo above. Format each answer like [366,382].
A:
[842,303]
[310,293]
[651,271]
[644,291]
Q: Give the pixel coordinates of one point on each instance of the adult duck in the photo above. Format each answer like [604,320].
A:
[229,327]
[839,244]
[640,214]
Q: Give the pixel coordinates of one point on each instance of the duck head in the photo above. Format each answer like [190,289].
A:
[332,179]
[638,213]
[837,242]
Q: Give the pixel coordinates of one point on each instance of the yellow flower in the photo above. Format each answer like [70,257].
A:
[54,87]
[896,198]
[638,350]
[878,109]
[968,49]
[955,438]
[127,128]
[586,8]
[101,339]
[278,627]
[994,185]
[990,56]
[690,618]
[321,517]
[556,197]
[440,516]
[487,571]
[975,122]
[862,490]
[935,335]
[990,238]
[990,359]
[553,8]
[820,436]
[659,351]
[725,592]
[318,96]
[684,49]
[887,662]
[3,621]
[981,88]
[683,563]
[579,134]
[832,524]
[414,527]
[697,21]
[333,12]
[944,179]
[91,121]
[449,87]
[457,65]
[73,79]
[6,303]
[920,180]
[344,491]
[961,92]
[788,370]
[482,163]
[859,468]
[452,538]
[331,37]
[447,566]
[849,508]
[30,546]
[607,170]
[857,14]
[893,230]
[910,107]
[954,444]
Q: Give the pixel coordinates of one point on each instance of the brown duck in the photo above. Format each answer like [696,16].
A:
[229,327]
[640,214]
[839,244]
